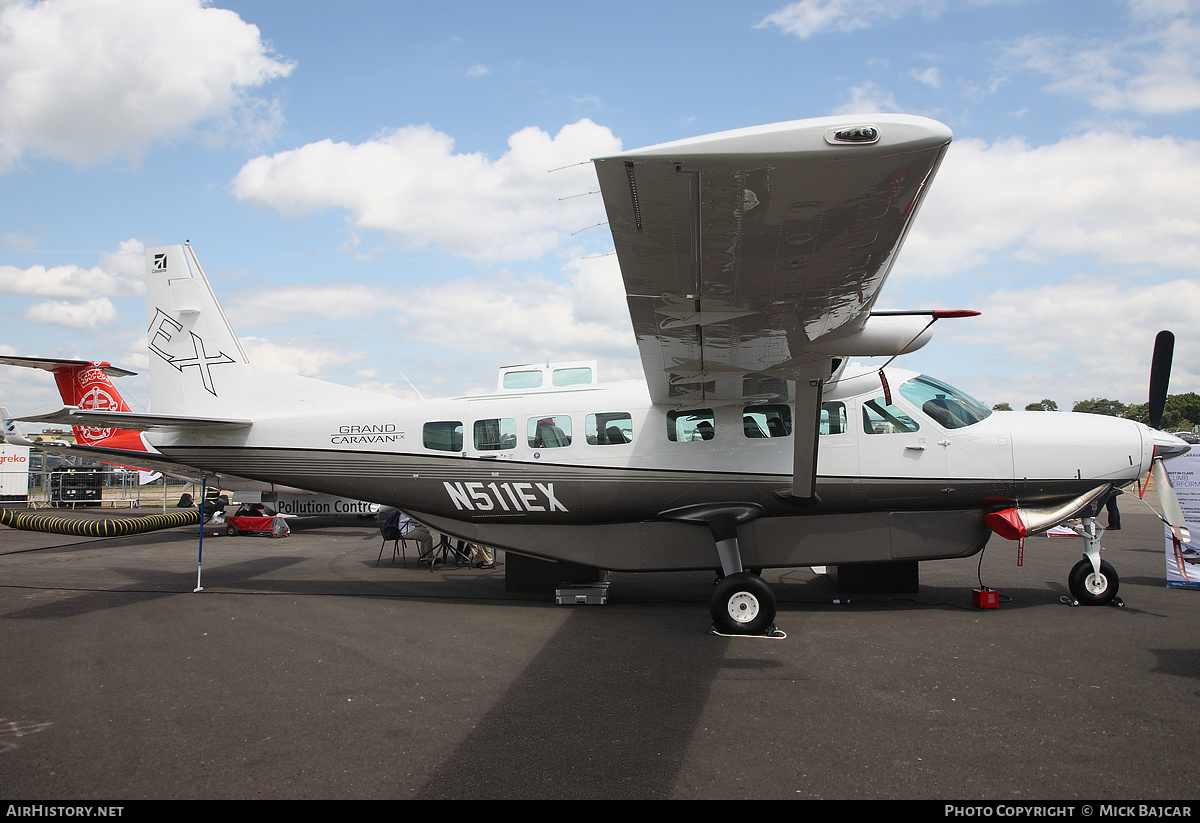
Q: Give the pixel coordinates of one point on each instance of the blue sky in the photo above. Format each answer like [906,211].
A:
[369,188]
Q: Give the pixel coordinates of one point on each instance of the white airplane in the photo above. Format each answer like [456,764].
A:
[752,261]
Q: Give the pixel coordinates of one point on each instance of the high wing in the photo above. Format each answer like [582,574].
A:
[752,258]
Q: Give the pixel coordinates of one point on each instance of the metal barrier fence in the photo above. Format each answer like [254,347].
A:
[69,489]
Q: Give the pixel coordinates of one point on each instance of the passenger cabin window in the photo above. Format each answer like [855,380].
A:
[833,418]
[690,426]
[767,421]
[572,377]
[445,436]
[495,434]
[609,429]
[884,418]
[523,380]
[549,432]
[948,406]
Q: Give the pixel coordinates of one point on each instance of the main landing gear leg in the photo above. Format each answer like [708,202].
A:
[742,602]
[1093,582]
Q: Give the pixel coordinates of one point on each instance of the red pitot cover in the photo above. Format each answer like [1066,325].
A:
[1008,524]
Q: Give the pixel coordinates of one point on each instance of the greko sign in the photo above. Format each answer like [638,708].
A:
[14,472]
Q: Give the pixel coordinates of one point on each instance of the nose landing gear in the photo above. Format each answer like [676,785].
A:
[1093,582]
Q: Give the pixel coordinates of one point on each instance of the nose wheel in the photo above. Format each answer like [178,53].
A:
[1090,588]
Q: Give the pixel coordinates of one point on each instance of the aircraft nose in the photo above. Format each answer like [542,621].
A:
[1167,445]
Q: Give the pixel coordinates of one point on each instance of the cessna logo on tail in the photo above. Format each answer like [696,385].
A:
[163,331]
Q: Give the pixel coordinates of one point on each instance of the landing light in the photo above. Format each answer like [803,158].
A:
[853,134]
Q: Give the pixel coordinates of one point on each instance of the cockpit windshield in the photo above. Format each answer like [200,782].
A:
[948,406]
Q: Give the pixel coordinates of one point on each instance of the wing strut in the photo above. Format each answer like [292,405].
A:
[806,435]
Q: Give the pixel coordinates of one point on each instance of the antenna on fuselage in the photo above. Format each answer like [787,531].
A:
[934,316]
[414,388]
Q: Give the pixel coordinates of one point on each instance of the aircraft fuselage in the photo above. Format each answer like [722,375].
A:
[524,469]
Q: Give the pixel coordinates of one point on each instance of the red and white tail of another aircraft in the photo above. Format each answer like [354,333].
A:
[85,384]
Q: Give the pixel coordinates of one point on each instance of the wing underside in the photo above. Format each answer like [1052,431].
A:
[752,259]
[747,255]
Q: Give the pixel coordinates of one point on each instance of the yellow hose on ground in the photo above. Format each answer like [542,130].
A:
[115,527]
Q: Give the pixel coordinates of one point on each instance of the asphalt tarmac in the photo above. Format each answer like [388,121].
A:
[303,670]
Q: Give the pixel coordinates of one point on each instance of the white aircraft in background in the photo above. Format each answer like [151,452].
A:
[752,261]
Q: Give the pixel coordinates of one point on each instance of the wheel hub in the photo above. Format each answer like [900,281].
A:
[1095,583]
[743,607]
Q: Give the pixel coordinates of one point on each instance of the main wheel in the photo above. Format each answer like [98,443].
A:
[1090,588]
[742,604]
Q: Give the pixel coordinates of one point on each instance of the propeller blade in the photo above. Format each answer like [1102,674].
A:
[1172,512]
[1160,375]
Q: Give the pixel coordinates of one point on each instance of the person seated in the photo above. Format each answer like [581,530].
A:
[482,556]
[412,530]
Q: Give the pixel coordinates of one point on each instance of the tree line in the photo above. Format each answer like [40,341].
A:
[1181,412]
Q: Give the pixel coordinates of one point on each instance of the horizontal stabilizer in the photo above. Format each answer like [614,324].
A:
[133,421]
[129,459]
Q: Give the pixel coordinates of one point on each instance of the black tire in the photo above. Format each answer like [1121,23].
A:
[231,530]
[742,604]
[1089,590]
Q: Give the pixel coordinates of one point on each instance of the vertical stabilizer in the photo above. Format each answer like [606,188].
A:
[197,366]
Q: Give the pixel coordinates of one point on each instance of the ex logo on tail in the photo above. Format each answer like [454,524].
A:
[165,333]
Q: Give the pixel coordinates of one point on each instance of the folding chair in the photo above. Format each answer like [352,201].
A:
[391,531]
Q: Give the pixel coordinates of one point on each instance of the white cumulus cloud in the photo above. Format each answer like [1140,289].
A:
[1124,199]
[1155,69]
[118,273]
[84,81]
[411,184]
[75,314]
[809,17]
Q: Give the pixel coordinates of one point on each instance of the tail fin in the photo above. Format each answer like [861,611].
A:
[10,434]
[194,356]
[198,367]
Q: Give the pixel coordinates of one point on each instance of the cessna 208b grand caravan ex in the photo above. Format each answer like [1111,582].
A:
[752,261]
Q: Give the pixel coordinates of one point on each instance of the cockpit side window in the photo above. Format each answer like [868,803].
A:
[883,418]
[946,405]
